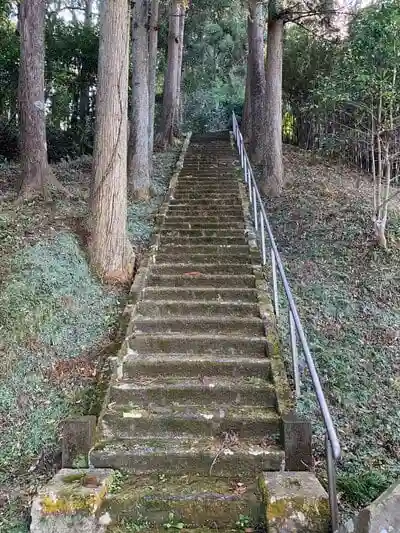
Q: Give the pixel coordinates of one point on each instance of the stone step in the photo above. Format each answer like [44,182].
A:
[166,308]
[204,280]
[200,344]
[171,454]
[212,169]
[204,222]
[195,294]
[197,232]
[210,420]
[216,174]
[196,501]
[189,195]
[179,249]
[197,258]
[225,202]
[194,270]
[191,240]
[180,364]
[218,325]
[204,211]
[203,191]
[171,389]
[224,181]
[185,225]
[206,207]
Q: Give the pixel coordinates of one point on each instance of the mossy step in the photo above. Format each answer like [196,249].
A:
[190,195]
[124,421]
[194,177]
[230,202]
[196,501]
[224,212]
[225,181]
[181,364]
[193,391]
[207,268]
[186,454]
[206,208]
[215,249]
[202,280]
[200,232]
[195,294]
[200,344]
[205,324]
[203,191]
[166,308]
[195,258]
[191,240]
[204,220]
[184,225]
[208,172]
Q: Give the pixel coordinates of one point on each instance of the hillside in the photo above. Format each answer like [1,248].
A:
[348,294]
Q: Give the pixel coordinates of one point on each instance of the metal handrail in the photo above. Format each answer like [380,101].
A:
[297,334]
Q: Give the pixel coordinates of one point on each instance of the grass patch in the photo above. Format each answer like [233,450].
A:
[348,295]
[56,326]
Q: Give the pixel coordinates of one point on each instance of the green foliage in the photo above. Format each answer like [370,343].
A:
[173,523]
[243,522]
[215,64]
[9,59]
[341,82]
[363,488]
[118,480]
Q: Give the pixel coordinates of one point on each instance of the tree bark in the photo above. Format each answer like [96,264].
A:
[179,107]
[138,163]
[273,164]
[153,44]
[36,175]
[110,252]
[257,81]
[165,137]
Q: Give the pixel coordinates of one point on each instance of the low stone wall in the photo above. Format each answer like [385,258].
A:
[382,516]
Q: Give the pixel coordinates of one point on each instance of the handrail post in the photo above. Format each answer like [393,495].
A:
[275,284]
[295,358]
[255,207]
[263,247]
[331,468]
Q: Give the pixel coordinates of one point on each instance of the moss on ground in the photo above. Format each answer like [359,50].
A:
[56,326]
[348,294]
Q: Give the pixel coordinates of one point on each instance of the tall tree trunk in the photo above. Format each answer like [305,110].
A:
[273,163]
[138,163]
[246,115]
[165,137]
[257,81]
[153,44]
[178,108]
[36,174]
[110,252]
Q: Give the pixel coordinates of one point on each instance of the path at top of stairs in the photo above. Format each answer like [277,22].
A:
[194,405]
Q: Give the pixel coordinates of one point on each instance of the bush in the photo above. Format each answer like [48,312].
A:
[61,144]
[9,140]
[211,109]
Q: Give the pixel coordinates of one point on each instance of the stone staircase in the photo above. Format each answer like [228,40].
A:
[192,417]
